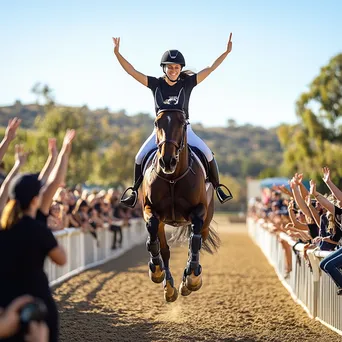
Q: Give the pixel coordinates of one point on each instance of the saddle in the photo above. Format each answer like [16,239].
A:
[196,152]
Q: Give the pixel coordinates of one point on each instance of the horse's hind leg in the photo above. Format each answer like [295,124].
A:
[156,265]
[170,292]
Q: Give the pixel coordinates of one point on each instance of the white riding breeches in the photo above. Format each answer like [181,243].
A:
[193,140]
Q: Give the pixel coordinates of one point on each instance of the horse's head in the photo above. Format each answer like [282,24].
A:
[171,138]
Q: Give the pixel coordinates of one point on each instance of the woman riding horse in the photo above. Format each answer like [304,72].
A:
[174,89]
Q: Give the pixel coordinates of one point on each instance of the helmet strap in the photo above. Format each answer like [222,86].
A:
[169,77]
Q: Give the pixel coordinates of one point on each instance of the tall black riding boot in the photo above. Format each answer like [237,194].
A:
[215,181]
[132,199]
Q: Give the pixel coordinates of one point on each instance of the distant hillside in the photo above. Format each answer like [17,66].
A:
[240,150]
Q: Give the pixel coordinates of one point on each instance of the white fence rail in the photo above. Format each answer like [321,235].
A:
[314,291]
[83,252]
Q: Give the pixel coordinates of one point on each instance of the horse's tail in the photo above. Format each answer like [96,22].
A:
[211,244]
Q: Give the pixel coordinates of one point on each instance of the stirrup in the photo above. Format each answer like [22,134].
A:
[223,200]
[134,193]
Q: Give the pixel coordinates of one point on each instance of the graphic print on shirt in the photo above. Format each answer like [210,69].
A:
[172,100]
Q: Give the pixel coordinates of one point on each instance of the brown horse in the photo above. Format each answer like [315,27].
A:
[175,192]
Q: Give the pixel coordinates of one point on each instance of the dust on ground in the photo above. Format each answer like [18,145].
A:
[241,300]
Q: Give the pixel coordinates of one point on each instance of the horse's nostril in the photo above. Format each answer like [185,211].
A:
[161,162]
[173,162]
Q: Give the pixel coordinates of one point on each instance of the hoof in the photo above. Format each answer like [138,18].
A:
[170,292]
[184,291]
[156,273]
[193,283]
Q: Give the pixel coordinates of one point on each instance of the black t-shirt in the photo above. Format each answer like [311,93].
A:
[176,96]
[23,249]
[338,225]
[338,217]
[40,216]
[314,230]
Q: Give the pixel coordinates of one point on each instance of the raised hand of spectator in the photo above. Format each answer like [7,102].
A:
[295,179]
[326,174]
[10,134]
[290,205]
[11,128]
[288,226]
[275,187]
[68,138]
[292,183]
[52,147]
[9,317]
[313,187]
[38,332]
[299,178]
[285,190]
[20,156]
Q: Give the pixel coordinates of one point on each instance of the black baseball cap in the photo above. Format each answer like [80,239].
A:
[24,187]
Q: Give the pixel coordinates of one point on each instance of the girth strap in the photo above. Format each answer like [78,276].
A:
[172,183]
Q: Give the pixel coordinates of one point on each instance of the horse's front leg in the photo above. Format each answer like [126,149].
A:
[156,265]
[192,279]
[170,292]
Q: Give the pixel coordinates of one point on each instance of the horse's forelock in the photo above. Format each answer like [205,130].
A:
[180,115]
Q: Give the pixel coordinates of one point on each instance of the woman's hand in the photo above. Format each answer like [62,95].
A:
[20,156]
[313,191]
[292,183]
[11,129]
[116,42]
[9,318]
[299,178]
[52,148]
[326,174]
[68,138]
[229,45]
[317,239]
[38,332]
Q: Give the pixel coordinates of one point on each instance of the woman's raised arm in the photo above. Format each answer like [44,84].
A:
[128,67]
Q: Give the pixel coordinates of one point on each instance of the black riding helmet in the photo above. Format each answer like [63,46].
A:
[172,57]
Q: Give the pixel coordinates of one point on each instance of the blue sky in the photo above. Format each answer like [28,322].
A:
[278,48]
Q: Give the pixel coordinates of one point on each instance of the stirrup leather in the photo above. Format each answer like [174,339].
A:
[223,200]
[134,192]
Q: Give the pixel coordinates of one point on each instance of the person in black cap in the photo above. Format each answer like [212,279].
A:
[24,244]
[173,91]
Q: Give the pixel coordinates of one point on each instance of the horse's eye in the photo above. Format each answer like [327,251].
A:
[155,124]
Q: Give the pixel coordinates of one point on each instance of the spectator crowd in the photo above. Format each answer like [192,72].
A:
[32,207]
[306,216]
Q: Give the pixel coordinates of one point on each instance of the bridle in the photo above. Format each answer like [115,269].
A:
[179,146]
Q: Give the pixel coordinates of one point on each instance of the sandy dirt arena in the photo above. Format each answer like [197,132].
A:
[241,300]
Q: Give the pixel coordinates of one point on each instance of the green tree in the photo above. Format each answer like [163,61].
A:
[316,140]
[55,123]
